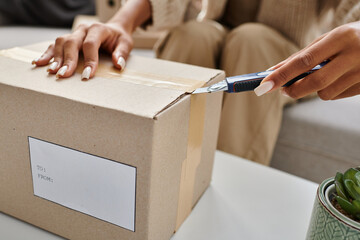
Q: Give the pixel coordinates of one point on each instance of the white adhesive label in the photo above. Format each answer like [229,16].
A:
[96,186]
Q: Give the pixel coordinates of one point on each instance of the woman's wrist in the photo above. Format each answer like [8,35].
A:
[124,20]
[131,15]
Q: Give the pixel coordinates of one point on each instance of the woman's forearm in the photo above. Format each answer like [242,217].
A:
[132,14]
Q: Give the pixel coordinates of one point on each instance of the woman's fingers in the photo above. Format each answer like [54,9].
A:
[58,55]
[297,53]
[337,79]
[342,85]
[302,62]
[71,47]
[319,80]
[121,52]
[96,35]
[89,39]
[350,92]
[70,58]
[65,52]
[45,57]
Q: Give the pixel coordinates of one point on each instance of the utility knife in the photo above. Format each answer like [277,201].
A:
[249,82]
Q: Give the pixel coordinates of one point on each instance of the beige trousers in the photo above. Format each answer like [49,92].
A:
[249,124]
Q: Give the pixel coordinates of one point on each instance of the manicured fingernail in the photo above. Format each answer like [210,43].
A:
[270,68]
[86,73]
[264,88]
[35,61]
[283,92]
[121,62]
[61,71]
[52,66]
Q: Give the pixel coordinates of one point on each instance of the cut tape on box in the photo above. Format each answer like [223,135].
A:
[193,158]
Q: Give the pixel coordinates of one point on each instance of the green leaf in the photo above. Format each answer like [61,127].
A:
[339,177]
[350,174]
[347,206]
[357,178]
[356,204]
[340,190]
[352,189]
[357,188]
[339,185]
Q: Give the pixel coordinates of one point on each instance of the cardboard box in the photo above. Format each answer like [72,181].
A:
[121,156]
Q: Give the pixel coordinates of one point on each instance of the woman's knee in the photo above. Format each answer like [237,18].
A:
[249,33]
[192,41]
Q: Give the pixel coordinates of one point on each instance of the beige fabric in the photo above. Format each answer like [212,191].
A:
[212,9]
[249,124]
[347,11]
[197,43]
[296,20]
[239,12]
[169,13]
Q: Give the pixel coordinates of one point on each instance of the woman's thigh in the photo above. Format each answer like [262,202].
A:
[249,124]
[197,43]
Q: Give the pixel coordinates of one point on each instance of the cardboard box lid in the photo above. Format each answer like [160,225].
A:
[145,88]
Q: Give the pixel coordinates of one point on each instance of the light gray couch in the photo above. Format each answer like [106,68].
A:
[14,36]
[317,138]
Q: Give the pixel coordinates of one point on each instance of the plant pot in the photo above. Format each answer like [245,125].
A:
[327,223]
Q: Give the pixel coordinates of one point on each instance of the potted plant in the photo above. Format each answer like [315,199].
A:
[336,212]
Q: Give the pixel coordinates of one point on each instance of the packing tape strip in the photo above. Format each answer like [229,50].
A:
[20,54]
[193,158]
[148,79]
[108,71]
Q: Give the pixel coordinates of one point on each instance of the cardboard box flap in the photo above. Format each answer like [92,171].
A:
[145,88]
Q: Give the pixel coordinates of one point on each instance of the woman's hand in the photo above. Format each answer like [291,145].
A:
[339,78]
[111,37]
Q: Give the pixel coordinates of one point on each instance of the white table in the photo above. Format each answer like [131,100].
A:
[245,201]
